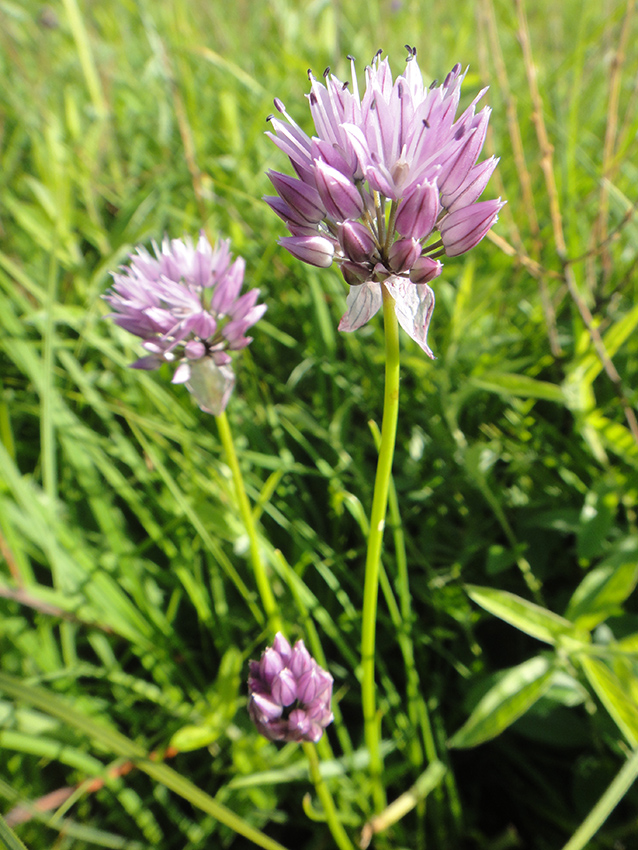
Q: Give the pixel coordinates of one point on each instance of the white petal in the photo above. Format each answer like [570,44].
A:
[362,303]
[414,304]
[211,385]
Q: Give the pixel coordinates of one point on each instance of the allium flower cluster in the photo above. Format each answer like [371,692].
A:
[289,693]
[184,303]
[388,184]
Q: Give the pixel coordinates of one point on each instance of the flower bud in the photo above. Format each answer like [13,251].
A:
[464,228]
[300,197]
[355,274]
[419,211]
[403,254]
[357,242]
[314,250]
[339,195]
[289,693]
[425,269]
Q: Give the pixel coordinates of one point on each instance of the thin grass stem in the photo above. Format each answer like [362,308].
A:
[323,792]
[605,806]
[259,569]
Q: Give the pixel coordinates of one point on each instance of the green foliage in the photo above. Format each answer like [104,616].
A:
[128,610]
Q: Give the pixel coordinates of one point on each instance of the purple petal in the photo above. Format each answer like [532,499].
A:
[464,228]
[281,645]
[304,200]
[419,211]
[357,242]
[315,250]
[339,195]
[284,687]
[264,707]
[272,662]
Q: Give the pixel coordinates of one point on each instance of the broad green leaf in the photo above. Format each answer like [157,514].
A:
[522,386]
[613,696]
[615,436]
[526,616]
[223,701]
[193,737]
[629,644]
[596,520]
[603,590]
[518,689]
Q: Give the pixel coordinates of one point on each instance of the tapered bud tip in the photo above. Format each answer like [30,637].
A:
[281,645]
[271,664]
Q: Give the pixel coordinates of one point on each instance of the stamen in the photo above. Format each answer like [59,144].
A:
[434,84]
[326,72]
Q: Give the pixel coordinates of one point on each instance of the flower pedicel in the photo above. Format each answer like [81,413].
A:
[387,186]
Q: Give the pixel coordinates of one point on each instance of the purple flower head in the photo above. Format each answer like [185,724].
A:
[388,184]
[289,694]
[184,303]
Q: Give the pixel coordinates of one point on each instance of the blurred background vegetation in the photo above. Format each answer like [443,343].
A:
[124,584]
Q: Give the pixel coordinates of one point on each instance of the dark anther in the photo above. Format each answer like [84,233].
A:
[313,98]
[434,84]
[426,123]
[279,106]
[345,85]
[310,74]
[270,117]
[378,53]
[350,57]
[326,72]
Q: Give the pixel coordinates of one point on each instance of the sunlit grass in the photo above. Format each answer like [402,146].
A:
[125,580]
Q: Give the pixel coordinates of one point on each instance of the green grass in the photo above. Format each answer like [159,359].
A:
[126,591]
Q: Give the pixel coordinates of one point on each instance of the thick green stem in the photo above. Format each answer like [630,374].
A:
[373,556]
[332,819]
[248,521]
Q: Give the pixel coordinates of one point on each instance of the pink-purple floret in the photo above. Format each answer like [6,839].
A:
[289,693]
[399,146]
[184,303]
